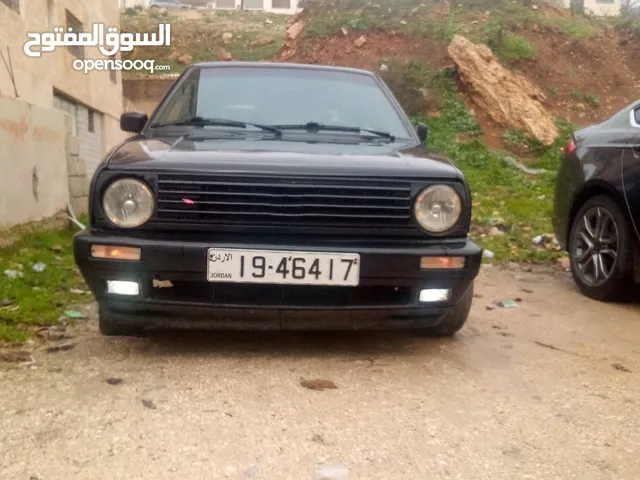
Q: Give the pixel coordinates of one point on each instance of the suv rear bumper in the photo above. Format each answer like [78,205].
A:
[387,296]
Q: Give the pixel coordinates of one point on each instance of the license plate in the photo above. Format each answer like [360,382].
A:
[283,267]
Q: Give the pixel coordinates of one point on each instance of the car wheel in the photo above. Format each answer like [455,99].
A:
[454,319]
[600,250]
[110,328]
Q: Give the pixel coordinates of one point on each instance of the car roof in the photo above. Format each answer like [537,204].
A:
[282,65]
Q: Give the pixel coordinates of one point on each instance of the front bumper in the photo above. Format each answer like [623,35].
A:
[387,296]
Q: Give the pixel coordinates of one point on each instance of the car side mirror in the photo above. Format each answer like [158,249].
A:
[133,121]
[423,132]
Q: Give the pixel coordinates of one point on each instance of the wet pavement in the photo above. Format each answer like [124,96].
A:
[546,390]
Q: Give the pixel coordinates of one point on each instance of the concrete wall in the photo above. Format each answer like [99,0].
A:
[33,161]
[37,78]
[144,94]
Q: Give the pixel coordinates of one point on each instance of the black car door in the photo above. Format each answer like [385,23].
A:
[631,170]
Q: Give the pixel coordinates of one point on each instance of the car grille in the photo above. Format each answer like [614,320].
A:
[285,201]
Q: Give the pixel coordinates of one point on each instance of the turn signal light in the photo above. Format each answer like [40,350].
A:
[438,263]
[569,148]
[115,252]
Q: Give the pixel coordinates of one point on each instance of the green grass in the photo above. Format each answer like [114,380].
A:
[524,203]
[575,29]
[39,298]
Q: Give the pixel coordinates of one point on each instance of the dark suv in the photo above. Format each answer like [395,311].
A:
[278,196]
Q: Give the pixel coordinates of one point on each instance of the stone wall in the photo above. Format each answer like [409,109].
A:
[79,180]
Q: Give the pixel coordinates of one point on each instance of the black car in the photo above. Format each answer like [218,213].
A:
[278,196]
[597,205]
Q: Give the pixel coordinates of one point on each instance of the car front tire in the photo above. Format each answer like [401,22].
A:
[600,250]
[110,328]
[454,319]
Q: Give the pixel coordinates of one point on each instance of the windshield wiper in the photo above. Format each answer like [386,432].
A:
[220,122]
[314,127]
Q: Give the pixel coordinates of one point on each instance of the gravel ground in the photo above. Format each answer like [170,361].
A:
[546,390]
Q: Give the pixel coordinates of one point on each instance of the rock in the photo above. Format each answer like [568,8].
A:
[227,37]
[149,403]
[487,253]
[6,302]
[331,471]
[268,21]
[507,98]
[224,55]
[15,356]
[564,263]
[424,92]
[185,59]
[294,30]
[61,347]
[57,248]
[360,41]
[621,367]
[403,22]
[384,68]
[495,231]
[114,381]
[344,31]
[318,384]
[77,291]
[260,42]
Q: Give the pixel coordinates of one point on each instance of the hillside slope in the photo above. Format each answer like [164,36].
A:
[588,68]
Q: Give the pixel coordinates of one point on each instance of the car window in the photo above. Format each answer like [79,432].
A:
[278,96]
[636,114]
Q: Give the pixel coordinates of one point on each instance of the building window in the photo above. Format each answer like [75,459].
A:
[75,24]
[12,4]
[253,5]
[91,126]
[281,3]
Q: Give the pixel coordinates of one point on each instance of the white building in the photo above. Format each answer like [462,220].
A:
[274,6]
[601,8]
[133,3]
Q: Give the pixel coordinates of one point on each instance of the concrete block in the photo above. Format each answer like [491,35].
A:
[77,186]
[73,145]
[80,205]
[76,166]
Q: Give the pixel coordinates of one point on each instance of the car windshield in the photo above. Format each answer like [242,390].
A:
[285,97]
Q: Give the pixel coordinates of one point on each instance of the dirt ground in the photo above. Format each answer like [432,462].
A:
[547,390]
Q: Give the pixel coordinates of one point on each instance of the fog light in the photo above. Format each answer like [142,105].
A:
[115,252]
[435,263]
[434,295]
[120,287]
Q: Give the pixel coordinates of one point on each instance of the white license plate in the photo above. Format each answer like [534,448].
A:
[283,267]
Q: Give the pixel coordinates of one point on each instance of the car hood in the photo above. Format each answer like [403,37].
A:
[279,157]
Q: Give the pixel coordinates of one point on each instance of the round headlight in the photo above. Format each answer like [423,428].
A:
[128,203]
[437,208]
